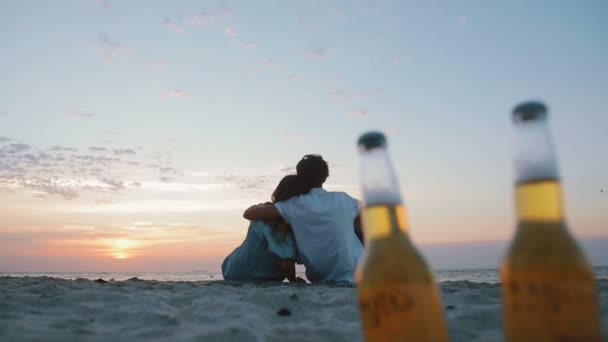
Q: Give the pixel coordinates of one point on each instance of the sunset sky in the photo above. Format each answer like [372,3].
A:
[133,134]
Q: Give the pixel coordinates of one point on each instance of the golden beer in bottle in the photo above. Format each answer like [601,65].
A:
[548,287]
[398,296]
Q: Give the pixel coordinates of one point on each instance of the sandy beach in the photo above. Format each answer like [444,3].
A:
[53,309]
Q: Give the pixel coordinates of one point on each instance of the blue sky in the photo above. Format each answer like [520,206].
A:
[182,113]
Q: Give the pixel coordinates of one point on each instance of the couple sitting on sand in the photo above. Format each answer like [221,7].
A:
[304,224]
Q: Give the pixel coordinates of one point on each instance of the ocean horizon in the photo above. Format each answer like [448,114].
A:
[480,275]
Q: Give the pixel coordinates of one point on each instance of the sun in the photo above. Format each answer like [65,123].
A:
[121,255]
[120,248]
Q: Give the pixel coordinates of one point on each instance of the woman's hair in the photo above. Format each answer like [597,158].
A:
[289,186]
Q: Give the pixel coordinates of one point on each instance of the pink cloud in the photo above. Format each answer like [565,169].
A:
[462,20]
[174,93]
[201,19]
[291,77]
[250,46]
[320,53]
[383,10]
[110,49]
[231,31]
[359,113]
[341,95]
[124,151]
[225,12]
[329,80]
[64,172]
[171,25]
[269,63]
[97,149]
[379,6]
[374,93]
[102,3]
[209,19]
[160,63]
[151,80]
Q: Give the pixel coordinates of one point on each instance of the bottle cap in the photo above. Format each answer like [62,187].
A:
[529,111]
[371,140]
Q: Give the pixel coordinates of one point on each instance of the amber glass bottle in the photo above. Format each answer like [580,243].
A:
[548,287]
[398,297]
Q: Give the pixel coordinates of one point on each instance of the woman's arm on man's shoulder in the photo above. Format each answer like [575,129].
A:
[264,211]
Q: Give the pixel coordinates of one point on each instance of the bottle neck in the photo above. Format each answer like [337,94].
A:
[383,211]
[378,180]
[538,193]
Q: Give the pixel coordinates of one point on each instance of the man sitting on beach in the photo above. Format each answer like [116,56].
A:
[322,224]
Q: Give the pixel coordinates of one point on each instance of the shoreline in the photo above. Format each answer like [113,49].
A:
[490,275]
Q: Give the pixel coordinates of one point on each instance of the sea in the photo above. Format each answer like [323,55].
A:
[478,275]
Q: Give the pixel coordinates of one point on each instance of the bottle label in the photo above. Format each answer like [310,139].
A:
[402,312]
[557,306]
[539,201]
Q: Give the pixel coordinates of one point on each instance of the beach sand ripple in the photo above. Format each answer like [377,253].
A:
[54,309]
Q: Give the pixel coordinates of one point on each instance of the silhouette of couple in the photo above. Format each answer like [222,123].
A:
[305,224]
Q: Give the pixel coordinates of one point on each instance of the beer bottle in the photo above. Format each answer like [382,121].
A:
[548,287]
[398,297]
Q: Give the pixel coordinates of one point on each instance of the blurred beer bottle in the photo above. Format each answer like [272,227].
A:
[548,287]
[398,297]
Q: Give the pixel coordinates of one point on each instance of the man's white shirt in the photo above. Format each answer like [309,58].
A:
[322,223]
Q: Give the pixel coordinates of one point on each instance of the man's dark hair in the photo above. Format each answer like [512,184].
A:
[313,170]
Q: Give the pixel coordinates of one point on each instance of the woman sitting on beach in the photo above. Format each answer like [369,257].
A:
[269,251]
